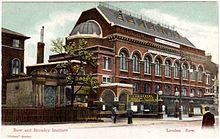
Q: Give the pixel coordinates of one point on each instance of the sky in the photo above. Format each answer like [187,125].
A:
[198,21]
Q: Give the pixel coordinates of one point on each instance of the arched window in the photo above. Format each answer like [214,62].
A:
[123,61]
[176,69]
[147,88]
[157,88]
[184,91]
[16,65]
[167,90]
[200,73]
[167,68]
[185,71]
[136,87]
[136,64]
[200,93]
[147,65]
[158,67]
[193,73]
[192,93]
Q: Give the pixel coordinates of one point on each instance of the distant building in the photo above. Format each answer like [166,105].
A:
[12,57]
[212,82]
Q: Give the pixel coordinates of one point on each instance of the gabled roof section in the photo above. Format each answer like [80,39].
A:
[7,31]
[124,19]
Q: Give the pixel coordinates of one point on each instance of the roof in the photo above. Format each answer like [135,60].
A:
[123,19]
[7,31]
[88,27]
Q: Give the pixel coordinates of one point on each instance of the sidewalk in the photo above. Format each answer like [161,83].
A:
[107,122]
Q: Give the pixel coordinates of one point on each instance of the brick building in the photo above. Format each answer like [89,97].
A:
[12,56]
[136,56]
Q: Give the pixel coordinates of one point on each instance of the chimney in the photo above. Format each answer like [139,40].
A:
[40,47]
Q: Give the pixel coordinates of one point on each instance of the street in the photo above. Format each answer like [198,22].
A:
[141,128]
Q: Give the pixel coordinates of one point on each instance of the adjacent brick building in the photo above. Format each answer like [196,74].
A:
[13,44]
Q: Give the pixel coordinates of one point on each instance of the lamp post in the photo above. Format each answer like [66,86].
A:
[182,60]
[160,103]
[176,115]
[191,105]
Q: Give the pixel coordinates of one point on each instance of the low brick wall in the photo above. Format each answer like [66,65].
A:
[47,115]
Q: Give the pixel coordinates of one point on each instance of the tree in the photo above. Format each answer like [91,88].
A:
[74,74]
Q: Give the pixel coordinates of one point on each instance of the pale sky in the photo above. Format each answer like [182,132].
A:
[198,21]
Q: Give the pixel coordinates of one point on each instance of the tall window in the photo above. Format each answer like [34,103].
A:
[16,43]
[146,88]
[192,93]
[136,65]
[157,88]
[176,69]
[135,87]
[200,93]
[123,61]
[207,78]
[147,65]
[200,73]
[16,66]
[193,73]
[106,63]
[157,67]
[184,91]
[185,71]
[167,68]
[167,90]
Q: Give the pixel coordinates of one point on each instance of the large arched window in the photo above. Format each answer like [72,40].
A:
[16,65]
[167,68]
[147,65]
[185,71]
[193,73]
[200,73]
[136,64]
[176,69]
[123,61]
[158,67]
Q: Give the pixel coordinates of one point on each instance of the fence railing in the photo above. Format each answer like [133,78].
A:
[48,115]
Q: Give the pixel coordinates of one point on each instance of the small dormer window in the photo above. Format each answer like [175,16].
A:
[131,20]
[120,17]
[16,43]
[142,24]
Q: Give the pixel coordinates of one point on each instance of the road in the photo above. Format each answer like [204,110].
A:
[141,128]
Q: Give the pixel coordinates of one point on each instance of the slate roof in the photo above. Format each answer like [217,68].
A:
[7,31]
[88,27]
[120,18]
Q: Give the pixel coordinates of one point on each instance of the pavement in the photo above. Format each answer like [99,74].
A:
[107,122]
[168,127]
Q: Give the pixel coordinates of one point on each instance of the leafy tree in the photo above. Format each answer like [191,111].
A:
[74,76]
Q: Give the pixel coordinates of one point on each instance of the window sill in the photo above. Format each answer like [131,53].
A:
[123,70]
[136,72]
[167,76]
[106,70]
[176,78]
[158,75]
[147,74]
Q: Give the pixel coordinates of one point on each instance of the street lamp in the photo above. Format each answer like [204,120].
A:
[160,103]
[182,60]
[176,105]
